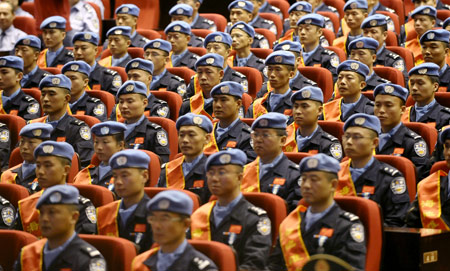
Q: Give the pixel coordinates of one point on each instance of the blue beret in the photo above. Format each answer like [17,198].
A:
[288,45]
[320,162]
[424,10]
[365,121]
[374,20]
[120,30]
[53,148]
[391,89]
[240,4]
[128,9]
[244,27]
[427,68]
[356,4]
[364,43]
[108,128]
[354,66]
[13,62]
[308,93]
[271,120]
[29,40]
[210,59]
[57,80]
[53,22]
[87,37]
[218,37]
[314,19]
[444,134]
[191,119]
[77,66]
[59,194]
[446,23]
[178,26]
[226,157]
[129,159]
[435,35]
[141,64]
[37,130]
[228,88]
[300,6]
[132,87]
[280,58]
[159,44]
[173,201]
[181,9]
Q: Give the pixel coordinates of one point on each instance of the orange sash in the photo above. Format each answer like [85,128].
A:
[106,62]
[406,117]
[2,110]
[442,89]
[138,261]
[200,225]
[288,36]
[291,140]
[8,176]
[169,64]
[294,250]
[174,174]
[84,176]
[230,61]
[340,43]
[42,59]
[31,257]
[107,219]
[40,120]
[428,195]
[197,103]
[258,107]
[332,110]
[344,27]
[212,147]
[414,46]
[250,181]
[409,29]
[30,215]
[345,185]
[197,87]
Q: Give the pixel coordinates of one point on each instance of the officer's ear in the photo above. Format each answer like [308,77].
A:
[144,176]
[319,31]
[374,57]
[221,74]
[36,55]
[128,42]
[63,34]
[95,49]
[376,141]
[145,101]
[362,83]
[187,222]
[19,76]
[385,34]
[403,109]
[188,38]
[250,40]
[197,5]
[446,49]
[250,17]
[85,82]
[239,102]
[292,72]
[135,21]
[334,183]
[320,110]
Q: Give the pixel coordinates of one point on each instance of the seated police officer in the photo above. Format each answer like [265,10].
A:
[198,22]
[305,134]
[322,227]
[281,67]
[141,70]
[13,100]
[5,146]
[355,12]
[157,51]
[53,162]
[24,173]
[209,74]
[119,39]
[298,81]
[127,218]
[351,81]
[271,172]
[423,83]
[430,209]
[53,34]
[363,175]
[109,139]
[62,248]
[231,219]
[28,49]
[229,131]
[8,213]
[395,138]
[101,78]
[188,171]
[295,12]
[169,217]
[435,49]
[258,21]
[183,12]
[55,97]
[364,50]
[178,33]
[140,132]
[81,103]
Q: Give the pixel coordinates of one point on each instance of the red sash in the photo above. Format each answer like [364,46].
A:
[291,140]
[84,176]
[212,147]
[138,261]
[250,181]
[406,117]
[31,257]
[174,174]
[197,105]
[30,215]
[414,46]
[200,225]
[106,62]
[42,59]
[8,176]
[345,185]
[107,219]
[332,110]
[258,107]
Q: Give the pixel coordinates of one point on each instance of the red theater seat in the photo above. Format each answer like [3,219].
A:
[13,241]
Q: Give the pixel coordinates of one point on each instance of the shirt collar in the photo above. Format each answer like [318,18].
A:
[195,20]
[274,161]
[441,72]
[368,77]
[319,7]
[79,99]
[133,35]
[61,247]
[9,30]
[244,58]
[32,71]
[426,107]
[12,96]
[57,52]
[233,203]
[118,60]
[374,9]
[254,20]
[307,137]
[159,76]
[229,126]
[394,130]
[93,66]
[307,55]
[182,54]
[137,122]
[381,50]
[367,165]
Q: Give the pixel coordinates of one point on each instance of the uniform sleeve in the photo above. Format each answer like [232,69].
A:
[185,108]
[87,222]
[412,219]
[257,245]
[190,91]
[249,112]
[162,177]
[83,145]
[5,143]
[160,144]
[276,259]
[353,247]
[395,204]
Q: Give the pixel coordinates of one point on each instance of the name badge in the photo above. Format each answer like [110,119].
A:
[140,228]
[235,229]
[326,232]
[231,144]
[368,189]
[279,181]
[199,184]
[139,140]
[398,151]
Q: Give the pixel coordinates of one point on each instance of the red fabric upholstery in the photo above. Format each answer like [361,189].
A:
[13,193]
[152,191]
[13,242]
[172,133]
[173,100]
[99,195]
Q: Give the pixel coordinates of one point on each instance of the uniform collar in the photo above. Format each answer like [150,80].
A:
[374,9]
[380,51]
[307,55]
[77,6]
[79,99]
[195,20]
[264,6]
[119,60]
[441,71]
[94,66]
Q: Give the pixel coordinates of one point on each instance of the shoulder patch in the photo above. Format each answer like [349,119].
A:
[257,210]
[336,150]
[398,185]
[264,226]
[99,109]
[33,108]
[357,232]
[161,136]
[394,56]
[349,216]
[85,132]
[97,265]
[421,149]
[4,136]
[163,111]
[8,216]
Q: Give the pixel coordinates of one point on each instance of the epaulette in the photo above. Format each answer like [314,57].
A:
[201,39]
[154,125]
[3,125]
[195,56]
[349,216]
[332,8]
[91,251]
[384,80]
[257,210]
[329,52]
[446,6]
[77,122]
[371,103]
[330,136]
[28,98]
[390,10]
[268,21]
[163,166]
[145,39]
[83,200]
[389,170]
[275,9]
[259,60]
[392,55]
[201,263]
[112,72]
[176,77]
[311,82]
[208,21]
[246,129]
[414,135]
[186,100]
[294,165]
[161,101]
[46,74]
[240,75]
[259,36]
[4,201]
[446,109]
[94,100]
[69,53]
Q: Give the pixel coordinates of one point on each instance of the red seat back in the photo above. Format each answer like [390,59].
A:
[406,54]
[333,17]
[338,4]
[172,133]
[183,72]
[89,120]
[52,70]
[261,52]
[121,71]
[197,50]
[271,38]
[173,100]
[246,101]
[441,165]
[149,33]
[28,7]
[107,98]
[99,195]
[391,39]
[13,193]
[296,157]
[13,242]
[15,158]
[149,14]
[443,14]
[341,54]
[283,5]
[254,79]
[398,6]
[135,52]
[74,169]
[391,74]
[443,98]
[26,24]
[428,133]
[274,18]
[152,191]
[248,121]
[394,18]
[222,255]
[118,252]
[329,35]
[219,20]
[333,128]
[15,124]
[201,32]
[154,168]
[322,77]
